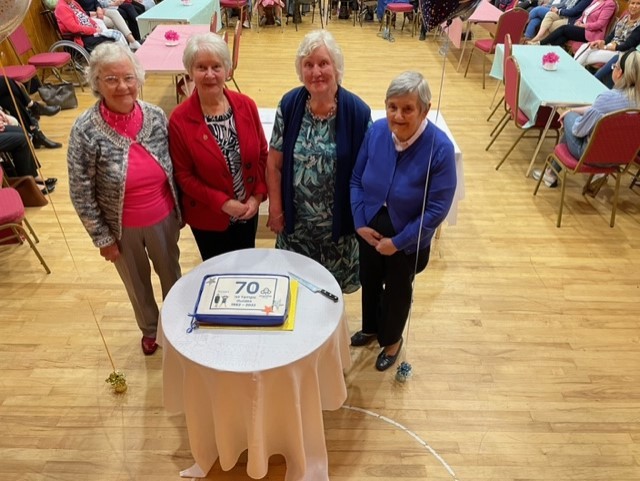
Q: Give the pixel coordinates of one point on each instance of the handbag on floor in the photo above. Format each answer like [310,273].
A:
[29,191]
[62,95]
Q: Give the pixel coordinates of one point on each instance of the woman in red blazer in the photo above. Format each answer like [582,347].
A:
[219,153]
[591,26]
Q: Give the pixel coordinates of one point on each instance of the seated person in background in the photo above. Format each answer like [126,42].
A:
[592,25]
[549,17]
[111,18]
[74,20]
[127,11]
[27,111]
[14,142]
[624,36]
[605,73]
[528,5]
[580,122]
[277,8]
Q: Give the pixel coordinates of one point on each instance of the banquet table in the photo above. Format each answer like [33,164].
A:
[174,11]
[256,389]
[571,85]
[267,117]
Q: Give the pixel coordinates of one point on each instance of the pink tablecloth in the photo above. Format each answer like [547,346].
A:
[485,13]
[157,57]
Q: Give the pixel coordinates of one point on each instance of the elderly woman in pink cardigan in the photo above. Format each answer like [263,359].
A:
[591,26]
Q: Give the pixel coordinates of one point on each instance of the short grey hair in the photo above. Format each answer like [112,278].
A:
[109,53]
[410,82]
[209,43]
[314,40]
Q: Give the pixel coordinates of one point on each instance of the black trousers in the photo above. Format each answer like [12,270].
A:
[387,284]
[13,141]
[22,101]
[91,42]
[563,34]
[240,235]
[129,13]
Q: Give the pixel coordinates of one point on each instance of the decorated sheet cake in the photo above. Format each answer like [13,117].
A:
[243,300]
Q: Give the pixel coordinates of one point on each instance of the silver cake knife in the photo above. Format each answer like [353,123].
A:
[313,288]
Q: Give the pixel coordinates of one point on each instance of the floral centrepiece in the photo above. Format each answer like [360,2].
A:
[171,36]
[550,61]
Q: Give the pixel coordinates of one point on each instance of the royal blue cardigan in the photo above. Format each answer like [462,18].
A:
[384,176]
[352,119]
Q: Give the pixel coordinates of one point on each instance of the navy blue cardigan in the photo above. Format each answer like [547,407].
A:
[352,119]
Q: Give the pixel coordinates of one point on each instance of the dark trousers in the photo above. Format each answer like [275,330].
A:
[387,284]
[22,100]
[91,42]
[129,13]
[240,235]
[13,141]
[563,34]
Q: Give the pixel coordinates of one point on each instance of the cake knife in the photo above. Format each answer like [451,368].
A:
[313,288]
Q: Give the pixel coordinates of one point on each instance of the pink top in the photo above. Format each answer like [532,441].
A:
[147,196]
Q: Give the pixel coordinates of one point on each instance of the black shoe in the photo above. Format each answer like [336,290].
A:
[361,339]
[37,109]
[39,140]
[47,189]
[384,361]
[50,182]
[423,36]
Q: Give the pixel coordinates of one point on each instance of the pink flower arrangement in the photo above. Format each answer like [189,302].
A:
[550,57]
[171,36]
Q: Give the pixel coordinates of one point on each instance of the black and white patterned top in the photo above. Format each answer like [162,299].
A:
[223,128]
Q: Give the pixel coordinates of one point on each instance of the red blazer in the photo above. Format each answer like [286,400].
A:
[201,170]
[68,22]
[598,20]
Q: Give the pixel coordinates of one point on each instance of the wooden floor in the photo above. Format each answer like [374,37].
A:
[524,338]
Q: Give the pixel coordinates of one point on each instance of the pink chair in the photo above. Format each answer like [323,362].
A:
[53,61]
[11,220]
[511,22]
[226,5]
[612,148]
[511,99]
[407,11]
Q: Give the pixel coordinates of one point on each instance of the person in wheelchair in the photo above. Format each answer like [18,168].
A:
[72,19]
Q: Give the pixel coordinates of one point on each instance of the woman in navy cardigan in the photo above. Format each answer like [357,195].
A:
[401,190]
[219,153]
[316,138]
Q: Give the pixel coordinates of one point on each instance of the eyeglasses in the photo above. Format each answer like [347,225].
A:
[113,81]
[615,66]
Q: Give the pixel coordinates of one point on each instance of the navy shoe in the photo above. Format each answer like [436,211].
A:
[385,361]
[361,339]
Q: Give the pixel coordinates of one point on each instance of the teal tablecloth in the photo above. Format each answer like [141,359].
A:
[569,86]
[199,12]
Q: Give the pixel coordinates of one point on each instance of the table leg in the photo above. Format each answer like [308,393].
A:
[541,141]
[464,44]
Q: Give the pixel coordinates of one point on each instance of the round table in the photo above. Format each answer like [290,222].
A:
[256,389]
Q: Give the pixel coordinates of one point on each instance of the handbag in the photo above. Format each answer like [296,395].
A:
[62,95]
[29,191]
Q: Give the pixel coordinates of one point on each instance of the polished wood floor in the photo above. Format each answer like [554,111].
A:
[524,338]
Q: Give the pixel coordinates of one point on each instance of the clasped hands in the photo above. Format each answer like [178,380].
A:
[241,210]
[384,245]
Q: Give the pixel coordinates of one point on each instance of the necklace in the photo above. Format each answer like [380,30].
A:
[216,110]
[328,115]
[127,125]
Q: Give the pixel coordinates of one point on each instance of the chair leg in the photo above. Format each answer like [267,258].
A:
[236,84]
[505,121]
[562,191]
[468,62]
[614,207]
[506,114]
[513,146]
[19,231]
[495,109]
[484,74]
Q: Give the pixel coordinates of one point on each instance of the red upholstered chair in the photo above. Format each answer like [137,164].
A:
[508,47]
[242,5]
[12,219]
[511,22]
[41,61]
[636,177]
[612,148]
[407,11]
[511,77]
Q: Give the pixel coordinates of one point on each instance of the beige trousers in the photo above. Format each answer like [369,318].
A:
[552,21]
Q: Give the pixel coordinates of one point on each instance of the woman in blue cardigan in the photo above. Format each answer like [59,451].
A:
[316,137]
[401,190]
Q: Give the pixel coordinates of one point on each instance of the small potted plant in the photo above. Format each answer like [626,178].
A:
[550,61]
[118,380]
[172,38]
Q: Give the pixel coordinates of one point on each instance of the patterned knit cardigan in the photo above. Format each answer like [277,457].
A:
[97,160]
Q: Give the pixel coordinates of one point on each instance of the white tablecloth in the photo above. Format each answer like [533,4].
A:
[255,389]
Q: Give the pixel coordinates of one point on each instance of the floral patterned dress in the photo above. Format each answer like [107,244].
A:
[314,176]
